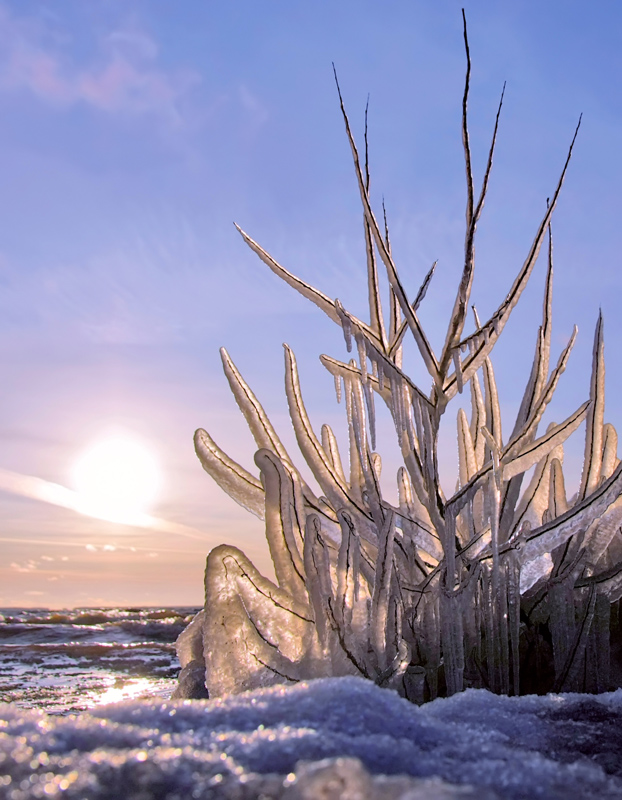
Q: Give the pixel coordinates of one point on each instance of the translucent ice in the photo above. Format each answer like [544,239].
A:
[442,592]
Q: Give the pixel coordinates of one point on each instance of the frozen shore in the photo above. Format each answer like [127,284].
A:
[269,744]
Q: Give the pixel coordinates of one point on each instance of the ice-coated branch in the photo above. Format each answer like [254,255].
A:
[458,316]
[373,291]
[230,476]
[498,585]
[592,460]
[481,342]
[306,290]
[411,318]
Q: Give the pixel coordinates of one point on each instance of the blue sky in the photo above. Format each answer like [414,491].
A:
[133,134]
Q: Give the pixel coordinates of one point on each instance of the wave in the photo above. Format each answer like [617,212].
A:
[67,660]
[40,626]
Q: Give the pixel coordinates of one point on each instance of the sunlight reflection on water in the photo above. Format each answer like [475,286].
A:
[70,661]
[133,689]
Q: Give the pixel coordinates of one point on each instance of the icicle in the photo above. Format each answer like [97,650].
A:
[413,444]
[600,636]
[329,443]
[404,490]
[346,325]
[347,572]
[501,609]
[489,625]
[458,367]
[362,351]
[570,679]
[399,407]
[452,633]
[397,403]
[376,462]
[432,640]
[478,418]
[395,408]
[610,454]
[382,588]
[282,520]
[557,491]
[447,643]
[560,599]
[320,464]
[479,628]
[371,412]
[359,422]
[498,593]
[317,571]
[592,461]
[380,374]
[338,388]
[513,595]
[493,411]
[466,451]
[356,477]
[347,382]
[468,605]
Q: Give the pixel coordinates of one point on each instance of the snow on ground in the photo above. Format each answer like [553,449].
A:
[260,744]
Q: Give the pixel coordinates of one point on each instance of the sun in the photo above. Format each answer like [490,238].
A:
[117,478]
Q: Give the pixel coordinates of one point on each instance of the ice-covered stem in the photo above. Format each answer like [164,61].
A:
[592,460]
[407,310]
[473,213]
[373,291]
[459,587]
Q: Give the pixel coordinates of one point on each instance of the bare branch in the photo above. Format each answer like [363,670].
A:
[465,130]
[397,340]
[458,317]
[305,289]
[485,337]
[424,346]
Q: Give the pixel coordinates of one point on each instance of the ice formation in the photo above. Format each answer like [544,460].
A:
[336,739]
[503,586]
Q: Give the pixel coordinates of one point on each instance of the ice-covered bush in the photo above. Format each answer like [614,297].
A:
[502,585]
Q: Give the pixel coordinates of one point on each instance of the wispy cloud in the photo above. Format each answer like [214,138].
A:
[90,547]
[27,566]
[48,492]
[124,75]
[108,548]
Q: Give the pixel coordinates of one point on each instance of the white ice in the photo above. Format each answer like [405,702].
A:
[329,738]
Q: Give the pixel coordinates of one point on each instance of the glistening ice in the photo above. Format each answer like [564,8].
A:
[331,738]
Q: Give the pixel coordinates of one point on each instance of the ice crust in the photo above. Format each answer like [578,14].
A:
[330,738]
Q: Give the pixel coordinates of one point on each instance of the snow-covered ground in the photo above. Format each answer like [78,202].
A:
[331,738]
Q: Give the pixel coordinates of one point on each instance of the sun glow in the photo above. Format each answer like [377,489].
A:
[117,478]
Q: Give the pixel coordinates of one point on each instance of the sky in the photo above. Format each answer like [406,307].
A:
[133,134]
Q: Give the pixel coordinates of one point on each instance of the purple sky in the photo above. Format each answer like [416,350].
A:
[132,135]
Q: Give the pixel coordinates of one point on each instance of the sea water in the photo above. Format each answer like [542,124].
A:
[104,677]
[64,661]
